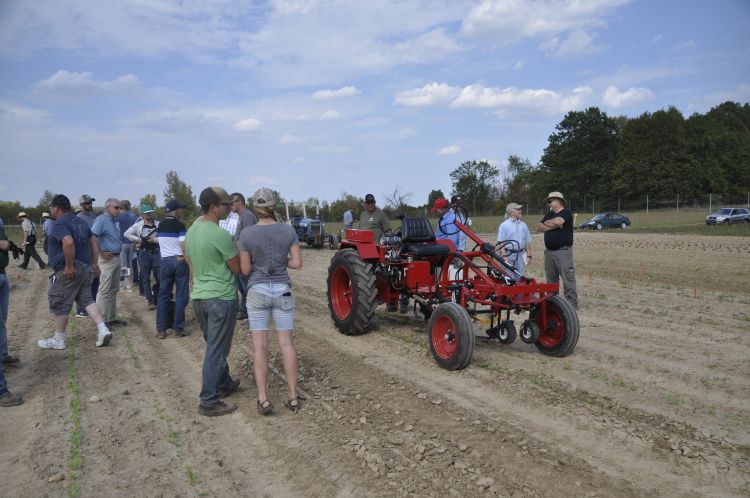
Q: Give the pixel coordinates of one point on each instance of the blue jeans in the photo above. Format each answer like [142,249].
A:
[241,281]
[216,318]
[149,262]
[174,272]
[4,295]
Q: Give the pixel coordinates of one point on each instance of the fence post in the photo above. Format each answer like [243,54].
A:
[646,203]
[710,203]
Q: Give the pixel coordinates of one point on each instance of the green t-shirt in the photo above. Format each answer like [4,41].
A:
[3,254]
[377,221]
[209,247]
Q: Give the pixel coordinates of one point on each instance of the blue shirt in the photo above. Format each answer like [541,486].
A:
[126,219]
[458,238]
[107,231]
[78,229]
[517,230]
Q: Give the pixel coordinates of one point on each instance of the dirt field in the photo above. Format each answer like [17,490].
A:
[654,402]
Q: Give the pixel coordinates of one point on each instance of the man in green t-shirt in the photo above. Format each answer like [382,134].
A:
[213,261]
[373,218]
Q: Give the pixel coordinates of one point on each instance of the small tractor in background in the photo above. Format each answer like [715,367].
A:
[453,289]
[310,231]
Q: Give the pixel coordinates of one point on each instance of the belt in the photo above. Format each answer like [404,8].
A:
[113,253]
[563,248]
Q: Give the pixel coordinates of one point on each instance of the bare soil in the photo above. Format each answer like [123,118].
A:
[655,401]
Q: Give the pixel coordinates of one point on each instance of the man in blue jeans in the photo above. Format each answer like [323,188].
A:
[213,261]
[6,398]
[174,271]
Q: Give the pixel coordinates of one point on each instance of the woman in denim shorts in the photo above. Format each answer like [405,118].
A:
[267,249]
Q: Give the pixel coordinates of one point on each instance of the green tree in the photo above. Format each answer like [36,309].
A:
[653,157]
[45,200]
[346,201]
[149,199]
[475,182]
[178,190]
[580,157]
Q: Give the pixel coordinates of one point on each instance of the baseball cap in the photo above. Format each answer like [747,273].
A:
[512,206]
[146,208]
[440,203]
[456,199]
[264,197]
[60,201]
[85,199]
[174,205]
[556,195]
[213,195]
[22,214]
[45,215]
[370,198]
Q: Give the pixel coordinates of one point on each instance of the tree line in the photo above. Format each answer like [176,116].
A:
[591,157]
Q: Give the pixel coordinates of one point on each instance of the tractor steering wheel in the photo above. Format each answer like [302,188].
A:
[460,213]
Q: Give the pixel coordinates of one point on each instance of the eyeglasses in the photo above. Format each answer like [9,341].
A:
[117,207]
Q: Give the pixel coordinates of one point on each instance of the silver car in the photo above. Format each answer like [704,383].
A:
[729,215]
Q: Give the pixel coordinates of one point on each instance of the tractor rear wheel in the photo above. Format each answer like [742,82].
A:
[352,292]
[560,335]
[451,336]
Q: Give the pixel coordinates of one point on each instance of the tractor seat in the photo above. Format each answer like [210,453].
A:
[416,231]
[424,250]
[417,235]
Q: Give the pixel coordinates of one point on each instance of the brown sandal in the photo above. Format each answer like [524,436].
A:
[265,407]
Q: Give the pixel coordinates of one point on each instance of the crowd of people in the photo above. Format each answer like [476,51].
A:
[238,259]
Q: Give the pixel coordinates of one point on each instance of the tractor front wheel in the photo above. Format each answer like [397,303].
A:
[451,336]
[558,334]
[352,293]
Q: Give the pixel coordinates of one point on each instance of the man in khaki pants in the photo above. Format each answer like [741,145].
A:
[107,231]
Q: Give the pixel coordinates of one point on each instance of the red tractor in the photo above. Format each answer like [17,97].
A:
[452,289]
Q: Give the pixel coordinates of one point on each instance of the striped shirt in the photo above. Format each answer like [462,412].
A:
[170,235]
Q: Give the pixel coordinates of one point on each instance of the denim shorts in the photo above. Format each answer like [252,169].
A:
[266,300]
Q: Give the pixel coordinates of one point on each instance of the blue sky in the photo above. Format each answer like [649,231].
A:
[316,98]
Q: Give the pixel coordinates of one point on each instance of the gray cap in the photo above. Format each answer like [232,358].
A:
[264,197]
[512,206]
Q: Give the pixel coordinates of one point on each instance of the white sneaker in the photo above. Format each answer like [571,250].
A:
[103,338]
[51,343]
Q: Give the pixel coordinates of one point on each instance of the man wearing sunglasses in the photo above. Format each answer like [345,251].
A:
[557,226]
[107,231]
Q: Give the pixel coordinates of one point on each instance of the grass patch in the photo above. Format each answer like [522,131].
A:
[192,476]
[134,358]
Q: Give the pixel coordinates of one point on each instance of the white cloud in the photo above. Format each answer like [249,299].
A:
[289,139]
[346,91]
[68,84]
[432,94]
[508,21]
[20,114]
[261,181]
[330,115]
[247,124]
[613,97]
[449,150]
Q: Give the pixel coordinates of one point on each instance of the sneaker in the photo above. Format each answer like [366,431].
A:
[181,333]
[9,399]
[11,360]
[103,338]
[227,391]
[82,314]
[161,334]
[217,410]
[51,343]
[151,306]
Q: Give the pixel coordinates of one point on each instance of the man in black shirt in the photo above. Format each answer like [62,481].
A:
[557,226]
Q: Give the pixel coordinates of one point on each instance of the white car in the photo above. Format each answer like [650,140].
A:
[729,215]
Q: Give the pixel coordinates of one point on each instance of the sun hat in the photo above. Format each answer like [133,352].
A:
[45,215]
[556,195]
[264,197]
[22,214]
[440,203]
